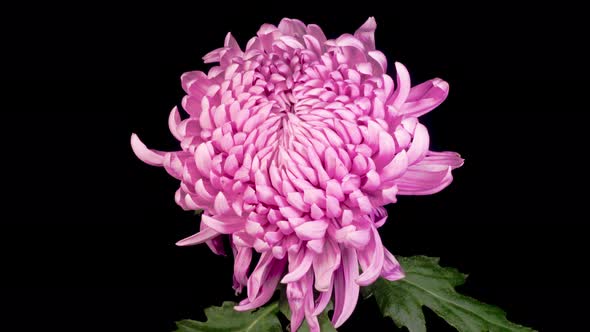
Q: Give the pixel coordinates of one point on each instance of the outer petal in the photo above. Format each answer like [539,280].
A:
[345,288]
[425,97]
[374,256]
[366,33]
[267,290]
[150,157]
[392,270]
[200,237]
[403,86]
[325,264]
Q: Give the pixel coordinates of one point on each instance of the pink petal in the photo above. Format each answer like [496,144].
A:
[202,236]
[299,267]
[173,122]
[311,230]
[375,255]
[419,146]
[259,275]
[150,157]
[224,225]
[203,160]
[323,299]
[325,264]
[267,290]
[425,97]
[403,86]
[346,290]
[366,33]
[396,167]
[392,270]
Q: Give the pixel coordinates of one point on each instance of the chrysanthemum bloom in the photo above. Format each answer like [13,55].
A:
[292,147]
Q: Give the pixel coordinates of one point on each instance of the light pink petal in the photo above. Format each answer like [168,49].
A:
[200,237]
[224,225]
[173,122]
[148,156]
[221,205]
[396,167]
[346,290]
[323,299]
[392,270]
[386,150]
[242,264]
[299,266]
[259,275]
[446,158]
[403,86]
[425,97]
[366,33]
[311,230]
[296,295]
[315,31]
[325,264]
[419,146]
[421,182]
[267,290]
[379,62]
[203,160]
[374,254]
[292,27]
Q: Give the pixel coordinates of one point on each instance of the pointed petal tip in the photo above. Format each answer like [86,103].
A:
[148,156]
[200,237]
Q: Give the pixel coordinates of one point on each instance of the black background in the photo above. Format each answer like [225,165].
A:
[87,234]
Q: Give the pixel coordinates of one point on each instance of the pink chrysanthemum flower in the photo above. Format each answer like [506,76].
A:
[292,147]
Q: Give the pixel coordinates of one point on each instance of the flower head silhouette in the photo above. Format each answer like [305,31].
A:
[292,147]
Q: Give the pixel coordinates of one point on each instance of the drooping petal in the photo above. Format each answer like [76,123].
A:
[392,270]
[346,290]
[424,97]
[372,257]
[242,260]
[299,266]
[267,289]
[366,33]
[325,264]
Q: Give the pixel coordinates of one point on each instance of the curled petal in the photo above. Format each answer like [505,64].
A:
[424,97]
[392,270]
[419,146]
[299,266]
[403,86]
[150,157]
[346,290]
[173,122]
[267,289]
[374,256]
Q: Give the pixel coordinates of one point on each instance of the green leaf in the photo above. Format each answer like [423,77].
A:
[428,284]
[323,319]
[226,319]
